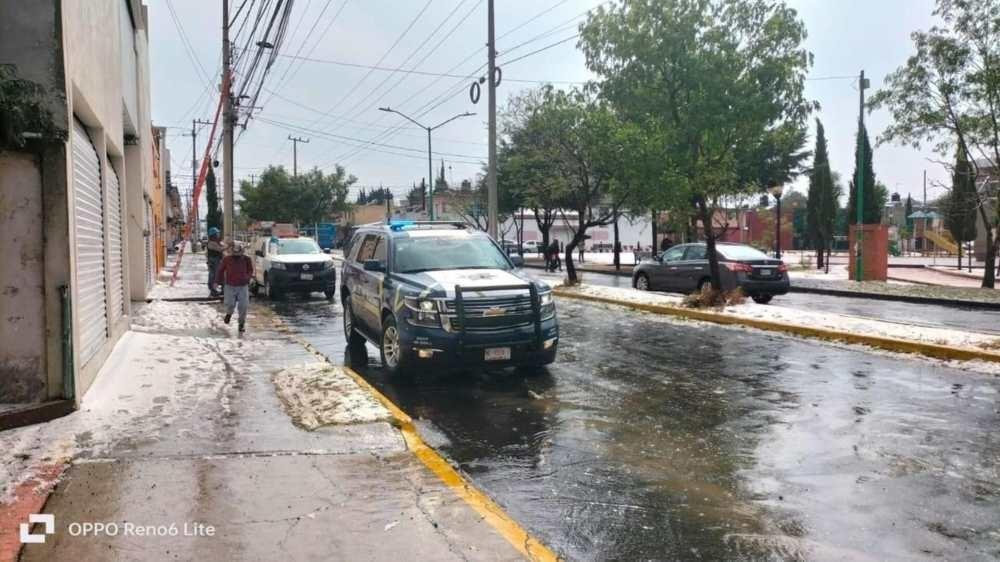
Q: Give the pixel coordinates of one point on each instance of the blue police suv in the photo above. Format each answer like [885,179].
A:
[439,294]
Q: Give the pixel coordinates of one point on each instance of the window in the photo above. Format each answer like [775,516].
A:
[380,249]
[299,246]
[741,253]
[411,255]
[367,248]
[695,252]
[674,254]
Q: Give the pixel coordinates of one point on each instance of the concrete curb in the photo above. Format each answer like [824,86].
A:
[890,344]
[489,510]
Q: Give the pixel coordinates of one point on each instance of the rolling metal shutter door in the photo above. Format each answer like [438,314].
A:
[116,292]
[88,211]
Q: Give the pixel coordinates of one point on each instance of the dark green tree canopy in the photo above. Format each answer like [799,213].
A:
[821,209]
[718,83]
[962,201]
[213,214]
[870,193]
[306,198]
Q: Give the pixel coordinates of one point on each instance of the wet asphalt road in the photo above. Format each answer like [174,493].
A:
[652,439]
[976,320]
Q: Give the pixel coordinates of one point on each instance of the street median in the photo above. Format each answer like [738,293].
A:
[935,350]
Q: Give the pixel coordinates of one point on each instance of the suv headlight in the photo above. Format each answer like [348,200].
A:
[547,306]
[423,312]
[278,265]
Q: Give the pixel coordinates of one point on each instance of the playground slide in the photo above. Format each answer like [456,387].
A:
[942,241]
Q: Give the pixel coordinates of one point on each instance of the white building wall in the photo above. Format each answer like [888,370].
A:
[631,231]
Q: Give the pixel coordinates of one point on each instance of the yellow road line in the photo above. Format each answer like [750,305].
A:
[891,344]
[492,513]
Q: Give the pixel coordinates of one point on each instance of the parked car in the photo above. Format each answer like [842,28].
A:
[509,246]
[432,293]
[684,268]
[601,247]
[291,264]
[532,247]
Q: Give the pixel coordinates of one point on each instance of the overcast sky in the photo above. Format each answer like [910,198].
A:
[305,98]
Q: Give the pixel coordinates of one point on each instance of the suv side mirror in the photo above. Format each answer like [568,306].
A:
[259,253]
[327,250]
[374,265]
[518,261]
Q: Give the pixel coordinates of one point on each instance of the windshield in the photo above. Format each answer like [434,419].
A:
[435,253]
[741,253]
[297,247]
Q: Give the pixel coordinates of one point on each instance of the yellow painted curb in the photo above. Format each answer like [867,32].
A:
[492,513]
[891,344]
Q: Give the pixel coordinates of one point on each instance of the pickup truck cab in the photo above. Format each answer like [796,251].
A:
[291,264]
[433,293]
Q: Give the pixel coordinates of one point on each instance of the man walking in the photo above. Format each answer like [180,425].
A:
[213,256]
[234,275]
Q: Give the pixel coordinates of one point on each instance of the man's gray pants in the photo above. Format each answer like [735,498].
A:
[233,297]
[213,267]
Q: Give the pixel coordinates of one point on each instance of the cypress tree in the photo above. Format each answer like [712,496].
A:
[960,211]
[213,214]
[821,206]
[871,214]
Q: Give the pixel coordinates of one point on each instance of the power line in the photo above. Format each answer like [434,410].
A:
[199,69]
[545,48]
[384,55]
[418,72]
[333,136]
[285,77]
[533,18]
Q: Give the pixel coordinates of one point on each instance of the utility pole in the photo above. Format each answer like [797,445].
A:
[491,175]
[859,197]
[295,153]
[227,125]
[430,160]
[194,171]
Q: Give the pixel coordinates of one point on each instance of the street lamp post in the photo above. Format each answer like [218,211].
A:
[430,159]
[776,190]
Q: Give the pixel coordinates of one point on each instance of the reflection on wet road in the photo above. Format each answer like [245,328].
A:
[975,320]
[651,439]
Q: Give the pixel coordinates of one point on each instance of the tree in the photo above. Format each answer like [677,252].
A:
[960,204]
[719,85]
[908,210]
[522,163]
[213,214]
[307,198]
[948,94]
[871,211]
[821,209]
[440,184]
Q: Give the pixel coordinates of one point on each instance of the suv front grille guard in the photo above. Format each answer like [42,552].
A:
[535,315]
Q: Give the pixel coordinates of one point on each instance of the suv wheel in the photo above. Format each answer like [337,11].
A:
[354,339]
[270,291]
[395,359]
[762,299]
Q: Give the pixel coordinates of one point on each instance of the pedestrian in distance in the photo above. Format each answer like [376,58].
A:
[213,257]
[234,275]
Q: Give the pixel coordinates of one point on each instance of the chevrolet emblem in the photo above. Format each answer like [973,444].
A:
[494,311]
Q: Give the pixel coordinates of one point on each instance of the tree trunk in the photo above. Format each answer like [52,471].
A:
[617,247]
[570,269]
[959,244]
[819,255]
[989,274]
[655,247]
[713,258]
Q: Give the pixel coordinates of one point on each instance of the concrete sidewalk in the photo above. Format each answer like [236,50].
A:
[184,451]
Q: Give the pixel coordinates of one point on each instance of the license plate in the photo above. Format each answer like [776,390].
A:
[307,276]
[766,272]
[497,353]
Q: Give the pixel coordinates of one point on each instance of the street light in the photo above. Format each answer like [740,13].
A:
[776,190]
[430,159]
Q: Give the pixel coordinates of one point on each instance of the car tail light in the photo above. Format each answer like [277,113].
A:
[783,268]
[737,267]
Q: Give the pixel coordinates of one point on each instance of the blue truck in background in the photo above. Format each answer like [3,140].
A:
[325,233]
